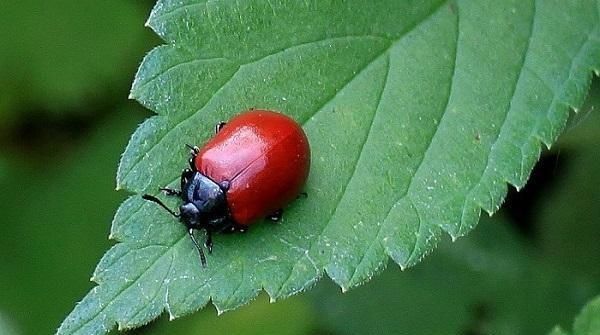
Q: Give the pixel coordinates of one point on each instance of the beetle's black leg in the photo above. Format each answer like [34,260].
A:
[200,252]
[170,191]
[222,224]
[208,243]
[303,195]
[219,126]
[233,227]
[194,150]
[186,175]
[275,216]
[230,228]
[160,203]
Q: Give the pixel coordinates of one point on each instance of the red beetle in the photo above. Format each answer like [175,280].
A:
[251,168]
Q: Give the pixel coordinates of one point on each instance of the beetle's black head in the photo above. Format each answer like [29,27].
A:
[189,215]
[204,203]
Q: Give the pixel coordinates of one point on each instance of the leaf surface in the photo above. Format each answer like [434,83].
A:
[418,115]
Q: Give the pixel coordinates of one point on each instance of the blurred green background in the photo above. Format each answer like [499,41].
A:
[65,72]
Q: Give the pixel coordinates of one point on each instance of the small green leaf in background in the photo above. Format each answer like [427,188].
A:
[76,56]
[586,323]
[575,248]
[54,224]
[418,114]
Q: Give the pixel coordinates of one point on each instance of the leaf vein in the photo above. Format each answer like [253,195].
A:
[180,8]
[535,130]
[385,85]
[141,86]
[505,118]
[162,284]
[343,191]
[422,159]
[344,187]
[125,287]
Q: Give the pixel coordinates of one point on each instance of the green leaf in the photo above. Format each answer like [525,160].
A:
[418,114]
[586,323]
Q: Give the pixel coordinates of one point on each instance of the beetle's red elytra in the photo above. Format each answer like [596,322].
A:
[252,168]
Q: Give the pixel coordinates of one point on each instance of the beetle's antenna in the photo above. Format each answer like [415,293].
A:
[160,203]
[202,257]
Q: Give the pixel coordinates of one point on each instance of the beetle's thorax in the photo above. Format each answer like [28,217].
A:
[203,202]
